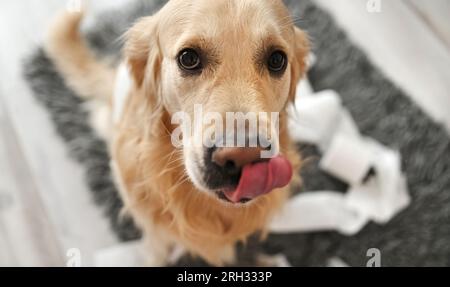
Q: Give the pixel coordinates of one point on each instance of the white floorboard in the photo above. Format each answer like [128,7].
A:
[52,191]
[403,46]
[436,14]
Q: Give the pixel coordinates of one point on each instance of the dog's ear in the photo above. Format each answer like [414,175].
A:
[142,52]
[143,56]
[298,64]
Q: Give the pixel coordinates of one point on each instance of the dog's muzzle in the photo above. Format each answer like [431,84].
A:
[240,174]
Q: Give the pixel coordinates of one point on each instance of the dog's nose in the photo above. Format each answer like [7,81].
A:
[232,159]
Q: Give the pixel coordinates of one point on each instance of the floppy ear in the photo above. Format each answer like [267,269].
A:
[142,53]
[298,64]
[144,58]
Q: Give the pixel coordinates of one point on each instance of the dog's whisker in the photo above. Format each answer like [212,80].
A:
[121,39]
[182,180]
[174,165]
[169,156]
[175,162]
[168,132]
[290,21]
[168,166]
[167,170]
[150,179]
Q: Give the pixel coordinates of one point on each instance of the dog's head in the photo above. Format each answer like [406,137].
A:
[202,58]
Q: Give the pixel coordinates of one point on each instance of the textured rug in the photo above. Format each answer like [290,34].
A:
[419,236]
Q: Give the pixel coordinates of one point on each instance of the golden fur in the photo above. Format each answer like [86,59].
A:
[150,172]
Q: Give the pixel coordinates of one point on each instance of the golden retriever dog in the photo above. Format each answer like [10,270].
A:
[236,56]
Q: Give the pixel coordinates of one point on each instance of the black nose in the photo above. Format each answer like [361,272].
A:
[232,158]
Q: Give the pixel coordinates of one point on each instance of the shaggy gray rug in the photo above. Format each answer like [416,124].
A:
[419,236]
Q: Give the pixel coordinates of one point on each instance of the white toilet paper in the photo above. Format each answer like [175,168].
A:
[348,159]
[321,119]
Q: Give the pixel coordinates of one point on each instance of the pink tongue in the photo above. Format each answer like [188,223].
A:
[261,178]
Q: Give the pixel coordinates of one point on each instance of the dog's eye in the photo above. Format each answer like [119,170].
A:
[189,60]
[277,62]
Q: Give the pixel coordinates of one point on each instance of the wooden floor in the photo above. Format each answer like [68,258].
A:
[410,41]
[45,207]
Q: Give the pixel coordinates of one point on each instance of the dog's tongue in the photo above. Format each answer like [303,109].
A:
[261,178]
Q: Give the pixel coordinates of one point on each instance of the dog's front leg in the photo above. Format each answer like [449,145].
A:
[219,255]
[158,246]
[228,255]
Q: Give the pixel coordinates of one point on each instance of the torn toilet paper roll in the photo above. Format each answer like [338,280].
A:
[378,189]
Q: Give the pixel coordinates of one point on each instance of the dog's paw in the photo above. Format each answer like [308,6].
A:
[155,261]
[278,260]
